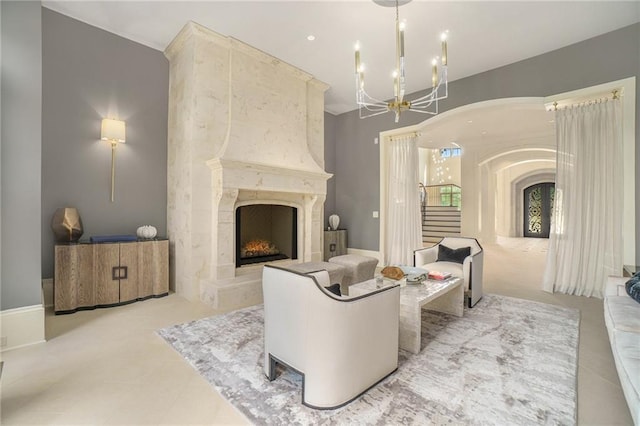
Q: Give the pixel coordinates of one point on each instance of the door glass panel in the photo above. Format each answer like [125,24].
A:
[535,211]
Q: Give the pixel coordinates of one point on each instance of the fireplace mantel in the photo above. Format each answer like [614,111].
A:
[257,176]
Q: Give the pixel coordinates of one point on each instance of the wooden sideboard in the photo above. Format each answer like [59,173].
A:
[89,276]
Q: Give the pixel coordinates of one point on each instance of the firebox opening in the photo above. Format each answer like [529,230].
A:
[266,232]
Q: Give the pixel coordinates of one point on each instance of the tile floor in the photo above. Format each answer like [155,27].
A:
[109,367]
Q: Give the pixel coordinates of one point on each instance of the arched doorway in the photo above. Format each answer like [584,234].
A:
[538,207]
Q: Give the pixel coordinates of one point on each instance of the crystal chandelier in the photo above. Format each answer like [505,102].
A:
[427,104]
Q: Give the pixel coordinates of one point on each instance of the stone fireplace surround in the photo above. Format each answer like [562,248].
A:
[244,128]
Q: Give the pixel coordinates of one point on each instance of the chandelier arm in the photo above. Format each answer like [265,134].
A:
[372,115]
[422,102]
[376,109]
[370,99]
[431,96]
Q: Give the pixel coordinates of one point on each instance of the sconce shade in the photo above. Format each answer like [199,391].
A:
[112,130]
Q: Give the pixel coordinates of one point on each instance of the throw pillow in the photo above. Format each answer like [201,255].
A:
[446,254]
[335,289]
[392,272]
[633,287]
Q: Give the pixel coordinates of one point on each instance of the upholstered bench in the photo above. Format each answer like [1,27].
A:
[336,272]
[357,269]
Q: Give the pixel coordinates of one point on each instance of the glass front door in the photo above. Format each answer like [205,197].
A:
[538,208]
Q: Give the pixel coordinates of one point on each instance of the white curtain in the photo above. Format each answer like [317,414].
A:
[585,243]
[403,229]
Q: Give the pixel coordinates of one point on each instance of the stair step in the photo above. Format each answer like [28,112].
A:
[453,212]
[431,222]
[441,234]
[441,218]
[440,208]
[430,229]
[450,213]
[431,240]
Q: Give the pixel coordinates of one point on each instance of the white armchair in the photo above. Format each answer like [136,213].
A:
[341,345]
[470,269]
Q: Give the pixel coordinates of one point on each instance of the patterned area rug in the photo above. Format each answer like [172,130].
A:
[507,361]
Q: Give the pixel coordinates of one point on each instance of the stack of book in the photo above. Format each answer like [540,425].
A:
[436,275]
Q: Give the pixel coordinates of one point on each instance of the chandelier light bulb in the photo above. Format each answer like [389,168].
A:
[357,46]
[403,25]
[434,73]
[443,37]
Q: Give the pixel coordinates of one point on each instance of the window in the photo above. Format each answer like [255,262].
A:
[450,152]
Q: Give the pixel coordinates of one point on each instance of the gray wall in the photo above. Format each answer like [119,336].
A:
[330,164]
[606,58]
[90,74]
[21,99]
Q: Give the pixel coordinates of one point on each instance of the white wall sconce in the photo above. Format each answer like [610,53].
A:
[113,131]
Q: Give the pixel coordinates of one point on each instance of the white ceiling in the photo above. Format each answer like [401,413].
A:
[490,124]
[483,34]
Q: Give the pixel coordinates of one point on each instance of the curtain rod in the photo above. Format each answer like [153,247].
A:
[615,94]
[403,135]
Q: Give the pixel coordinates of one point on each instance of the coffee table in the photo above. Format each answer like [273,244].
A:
[442,296]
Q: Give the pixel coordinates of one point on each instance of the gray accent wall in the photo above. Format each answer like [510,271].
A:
[20,153]
[330,164]
[609,57]
[90,74]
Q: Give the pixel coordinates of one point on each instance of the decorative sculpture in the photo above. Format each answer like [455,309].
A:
[67,225]
[334,221]
[147,232]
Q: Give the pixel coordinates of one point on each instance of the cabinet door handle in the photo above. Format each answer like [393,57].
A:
[119,273]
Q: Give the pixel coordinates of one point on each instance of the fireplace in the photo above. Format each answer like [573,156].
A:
[245,129]
[266,232]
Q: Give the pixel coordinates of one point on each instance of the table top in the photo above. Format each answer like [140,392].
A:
[410,294]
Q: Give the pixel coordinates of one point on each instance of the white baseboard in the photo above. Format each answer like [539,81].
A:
[21,327]
[47,292]
[370,253]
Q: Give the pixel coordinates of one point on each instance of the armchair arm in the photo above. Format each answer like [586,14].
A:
[424,256]
[615,286]
[476,264]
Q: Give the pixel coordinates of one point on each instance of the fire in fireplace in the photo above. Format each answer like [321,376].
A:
[256,248]
[265,232]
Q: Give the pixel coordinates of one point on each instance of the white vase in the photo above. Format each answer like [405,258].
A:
[147,232]
[334,221]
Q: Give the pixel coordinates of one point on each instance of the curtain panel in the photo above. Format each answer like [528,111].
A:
[403,226]
[585,243]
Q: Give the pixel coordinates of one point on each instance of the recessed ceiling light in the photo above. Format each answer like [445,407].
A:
[552,121]
[470,121]
[311,37]
[484,132]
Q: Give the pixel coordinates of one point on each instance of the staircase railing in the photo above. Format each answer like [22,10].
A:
[448,195]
